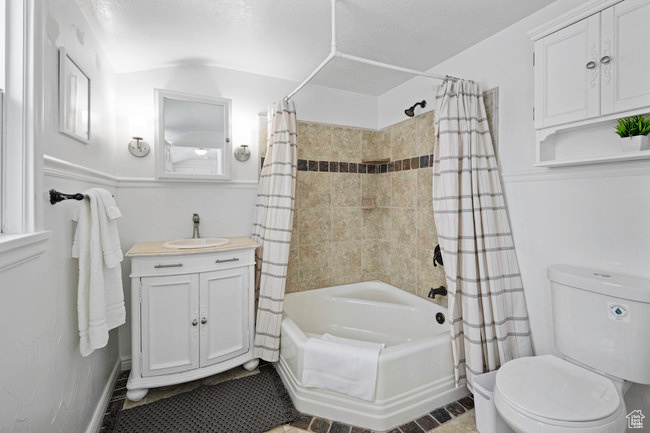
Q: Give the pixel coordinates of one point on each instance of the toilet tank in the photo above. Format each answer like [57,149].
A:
[602,320]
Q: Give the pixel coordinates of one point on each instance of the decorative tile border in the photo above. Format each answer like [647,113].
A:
[424,424]
[422,161]
[416,162]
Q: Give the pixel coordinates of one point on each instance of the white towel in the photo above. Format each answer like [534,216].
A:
[100,296]
[343,365]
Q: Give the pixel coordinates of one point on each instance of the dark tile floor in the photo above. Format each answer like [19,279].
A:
[438,420]
[428,423]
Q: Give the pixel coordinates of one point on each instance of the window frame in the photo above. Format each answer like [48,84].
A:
[17,179]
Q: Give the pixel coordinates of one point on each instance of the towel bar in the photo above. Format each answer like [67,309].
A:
[56,196]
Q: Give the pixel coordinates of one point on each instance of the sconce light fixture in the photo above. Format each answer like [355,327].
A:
[242,153]
[138,147]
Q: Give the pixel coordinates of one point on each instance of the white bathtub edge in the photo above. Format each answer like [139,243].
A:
[372,415]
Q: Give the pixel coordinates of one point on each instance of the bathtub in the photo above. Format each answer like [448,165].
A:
[415,373]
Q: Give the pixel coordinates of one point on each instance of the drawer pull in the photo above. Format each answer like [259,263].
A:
[227,260]
[175,265]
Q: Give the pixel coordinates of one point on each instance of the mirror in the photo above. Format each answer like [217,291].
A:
[192,136]
[74,99]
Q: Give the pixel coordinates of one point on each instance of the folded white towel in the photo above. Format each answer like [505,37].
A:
[343,365]
[100,296]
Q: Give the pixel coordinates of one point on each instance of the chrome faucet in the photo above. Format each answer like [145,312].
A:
[196,220]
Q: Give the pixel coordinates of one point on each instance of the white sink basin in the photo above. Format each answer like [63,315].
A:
[185,244]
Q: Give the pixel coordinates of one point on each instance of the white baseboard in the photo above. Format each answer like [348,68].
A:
[126,363]
[96,421]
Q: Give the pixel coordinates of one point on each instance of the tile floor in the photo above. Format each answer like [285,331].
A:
[457,417]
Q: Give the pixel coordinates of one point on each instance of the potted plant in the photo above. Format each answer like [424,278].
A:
[634,131]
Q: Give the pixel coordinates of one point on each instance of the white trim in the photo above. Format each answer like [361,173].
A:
[571,17]
[18,178]
[18,249]
[67,170]
[141,182]
[596,171]
[60,168]
[96,421]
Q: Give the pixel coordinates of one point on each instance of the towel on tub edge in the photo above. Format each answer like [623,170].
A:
[341,364]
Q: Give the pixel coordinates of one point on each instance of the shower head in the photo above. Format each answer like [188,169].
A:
[410,112]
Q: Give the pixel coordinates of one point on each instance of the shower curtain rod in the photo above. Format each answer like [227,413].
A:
[336,53]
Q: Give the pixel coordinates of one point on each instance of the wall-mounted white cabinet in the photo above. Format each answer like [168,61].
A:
[590,68]
[192,313]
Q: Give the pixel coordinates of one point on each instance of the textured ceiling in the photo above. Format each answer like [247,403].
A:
[289,38]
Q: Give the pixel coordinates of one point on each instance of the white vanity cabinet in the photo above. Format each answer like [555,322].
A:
[590,63]
[192,313]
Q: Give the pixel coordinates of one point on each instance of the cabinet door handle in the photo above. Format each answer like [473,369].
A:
[591,65]
[204,320]
[227,260]
[605,60]
[195,322]
[174,265]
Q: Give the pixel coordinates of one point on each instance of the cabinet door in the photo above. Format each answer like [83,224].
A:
[170,340]
[567,82]
[624,61]
[224,315]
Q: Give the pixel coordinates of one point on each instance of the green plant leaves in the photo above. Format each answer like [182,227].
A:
[633,126]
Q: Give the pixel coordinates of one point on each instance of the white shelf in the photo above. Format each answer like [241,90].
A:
[644,154]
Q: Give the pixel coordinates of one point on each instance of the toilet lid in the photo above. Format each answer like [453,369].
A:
[552,388]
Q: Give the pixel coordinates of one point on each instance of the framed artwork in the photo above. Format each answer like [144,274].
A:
[74,99]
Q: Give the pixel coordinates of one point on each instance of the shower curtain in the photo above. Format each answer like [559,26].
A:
[486,296]
[272,227]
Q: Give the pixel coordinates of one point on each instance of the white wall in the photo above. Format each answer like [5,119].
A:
[250,95]
[594,216]
[157,210]
[46,385]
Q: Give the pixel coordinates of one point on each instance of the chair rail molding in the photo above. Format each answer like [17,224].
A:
[60,168]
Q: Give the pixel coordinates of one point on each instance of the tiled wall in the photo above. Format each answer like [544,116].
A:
[357,221]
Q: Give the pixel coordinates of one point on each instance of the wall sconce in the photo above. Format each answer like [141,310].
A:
[138,147]
[242,153]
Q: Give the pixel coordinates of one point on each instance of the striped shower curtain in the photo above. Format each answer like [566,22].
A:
[272,227]
[486,296]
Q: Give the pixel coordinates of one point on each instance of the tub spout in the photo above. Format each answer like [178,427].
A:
[442,291]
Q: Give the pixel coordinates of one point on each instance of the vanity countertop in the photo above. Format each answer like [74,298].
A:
[156,248]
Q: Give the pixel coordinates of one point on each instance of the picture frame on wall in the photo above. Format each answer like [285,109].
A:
[74,99]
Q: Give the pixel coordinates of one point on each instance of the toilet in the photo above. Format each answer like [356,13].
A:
[602,329]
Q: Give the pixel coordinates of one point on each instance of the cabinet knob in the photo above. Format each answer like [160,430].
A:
[605,60]
[204,321]
[591,65]
[195,322]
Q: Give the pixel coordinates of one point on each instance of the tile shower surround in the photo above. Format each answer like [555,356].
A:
[357,222]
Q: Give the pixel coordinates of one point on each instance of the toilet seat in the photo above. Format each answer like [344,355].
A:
[547,393]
